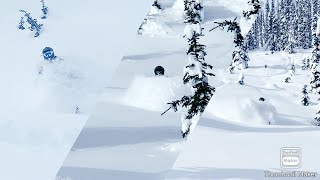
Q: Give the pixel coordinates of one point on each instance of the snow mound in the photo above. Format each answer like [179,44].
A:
[64,85]
[232,102]
[272,86]
[154,27]
[153,93]
[62,73]
[176,12]
[154,10]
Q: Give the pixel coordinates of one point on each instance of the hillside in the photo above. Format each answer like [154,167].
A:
[38,116]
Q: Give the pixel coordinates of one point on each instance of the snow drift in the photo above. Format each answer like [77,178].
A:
[231,102]
[153,93]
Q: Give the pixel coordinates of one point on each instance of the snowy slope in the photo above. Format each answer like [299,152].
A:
[117,145]
[38,120]
[234,140]
[126,137]
[219,150]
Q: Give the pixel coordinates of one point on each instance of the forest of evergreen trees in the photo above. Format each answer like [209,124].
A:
[284,25]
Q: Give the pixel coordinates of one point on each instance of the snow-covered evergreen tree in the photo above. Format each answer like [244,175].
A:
[301,21]
[305,64]
[21,24]
[291,42]
[240,56]
[266,27]
[305,100]
[308,32]
[260,27]
[315,80]
[315,52]
[34,25]
[315,68]
[155,8]
[272,25]
[156,4]
[256,6]
[250,40]
[315,14]
[283,26]
[287,80]
[292,69]
[195,72]
[44,10]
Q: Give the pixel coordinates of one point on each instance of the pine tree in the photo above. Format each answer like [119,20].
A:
[21,24]
[315,6]
[305,99]
[240,56]
[292,68]
[255,35]
[255,9]
[195,72]
[301,23]
[276,26]
[249,41]
[308,32]
[44,10]
[287,80]
[260,26]
[155,8]
[315,56]
[315,68]
[272,28]
[267,23]
[292,26]
[287,26]
[283,32]
[291,42]
[305,64]
[157,5]
[315,80]
[34,25]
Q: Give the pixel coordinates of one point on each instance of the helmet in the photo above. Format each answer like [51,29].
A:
[159,71]
[48,53]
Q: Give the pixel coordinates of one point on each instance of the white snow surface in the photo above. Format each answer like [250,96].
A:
[233,139]
[153,93]
[38,121]
[126,137]
[239,136]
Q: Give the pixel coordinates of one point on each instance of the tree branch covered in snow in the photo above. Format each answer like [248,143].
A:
[240,56]
[195,72]
[232,26]
[256,6]
[34,25]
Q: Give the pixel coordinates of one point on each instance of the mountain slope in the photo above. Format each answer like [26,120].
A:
[38,112]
